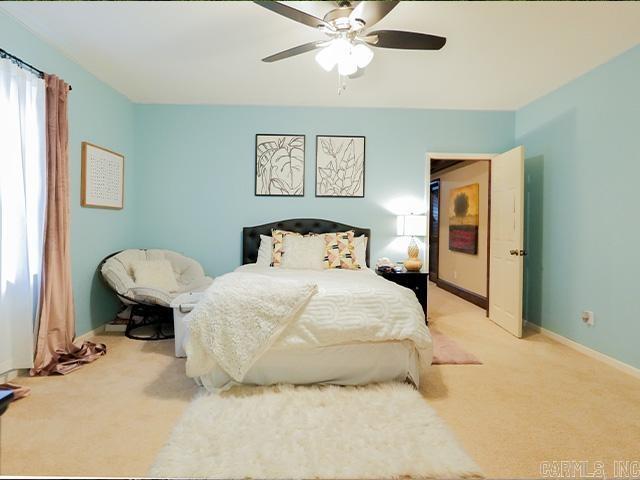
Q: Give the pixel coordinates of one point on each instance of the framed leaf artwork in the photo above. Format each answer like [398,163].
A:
[340,166]
[279,165]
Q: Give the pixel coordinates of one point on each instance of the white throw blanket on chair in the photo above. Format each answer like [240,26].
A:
[239,318]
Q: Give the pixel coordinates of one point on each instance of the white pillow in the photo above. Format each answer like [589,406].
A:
[360,244]
[303,252]
[156,274]
[265,251]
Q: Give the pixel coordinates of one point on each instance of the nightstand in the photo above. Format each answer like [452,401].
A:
[416,281]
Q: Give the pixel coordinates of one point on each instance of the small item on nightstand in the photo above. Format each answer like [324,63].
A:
[399,267]
[384,265]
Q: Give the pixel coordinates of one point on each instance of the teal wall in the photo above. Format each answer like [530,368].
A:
[100,115]
[582,228]
[196,170]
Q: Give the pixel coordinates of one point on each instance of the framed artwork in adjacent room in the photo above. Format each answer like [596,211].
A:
[102,177]
[464,216]
[340,166]
[279,165]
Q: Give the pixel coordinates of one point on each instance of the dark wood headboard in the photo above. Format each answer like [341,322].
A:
[251,235]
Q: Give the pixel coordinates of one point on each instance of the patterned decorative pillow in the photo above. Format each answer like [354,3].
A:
[278,237]
[340,251]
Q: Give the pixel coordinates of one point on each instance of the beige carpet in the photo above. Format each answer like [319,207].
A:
[533,400]
[383,431]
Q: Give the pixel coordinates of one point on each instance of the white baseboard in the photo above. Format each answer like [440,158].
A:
[8,376]
[612,362]
[89,334]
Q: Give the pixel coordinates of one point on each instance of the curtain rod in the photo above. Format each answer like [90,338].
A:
[22,64]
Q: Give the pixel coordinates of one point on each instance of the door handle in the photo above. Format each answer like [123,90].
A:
[521,253]
[513,252]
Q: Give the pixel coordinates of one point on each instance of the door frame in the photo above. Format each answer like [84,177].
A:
[437,259]
[472,157]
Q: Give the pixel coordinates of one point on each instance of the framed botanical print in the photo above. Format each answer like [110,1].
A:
[279,165]
[340,166]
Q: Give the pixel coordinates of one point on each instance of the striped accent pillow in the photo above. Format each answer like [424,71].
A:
[340,251]
[278,242]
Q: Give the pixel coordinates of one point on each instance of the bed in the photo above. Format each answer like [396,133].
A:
[358,328]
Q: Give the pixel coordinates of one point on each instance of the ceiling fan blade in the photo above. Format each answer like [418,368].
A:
[293,14]
[404,40]
[371,12]
[307,47]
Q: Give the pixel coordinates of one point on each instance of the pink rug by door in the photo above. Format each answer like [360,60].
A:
[448,352]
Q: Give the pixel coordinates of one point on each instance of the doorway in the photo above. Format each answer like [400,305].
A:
[459,227]
[434,228]
[500,274]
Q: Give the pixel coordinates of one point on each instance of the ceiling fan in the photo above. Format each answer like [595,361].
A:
[347,27]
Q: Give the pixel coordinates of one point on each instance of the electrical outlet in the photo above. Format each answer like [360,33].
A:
[588,318]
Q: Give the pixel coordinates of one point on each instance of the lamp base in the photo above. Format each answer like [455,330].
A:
[413,263]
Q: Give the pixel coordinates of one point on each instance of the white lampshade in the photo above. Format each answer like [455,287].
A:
[326,58]
[362,54]
[335,53]
[347,65]
[412,225]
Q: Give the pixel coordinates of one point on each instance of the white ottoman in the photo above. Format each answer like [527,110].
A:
[182,305]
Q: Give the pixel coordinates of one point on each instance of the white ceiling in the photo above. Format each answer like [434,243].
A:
[499,55]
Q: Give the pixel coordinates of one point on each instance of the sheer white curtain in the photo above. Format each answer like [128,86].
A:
[22,202]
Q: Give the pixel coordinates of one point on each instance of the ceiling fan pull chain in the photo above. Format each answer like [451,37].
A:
[342,83]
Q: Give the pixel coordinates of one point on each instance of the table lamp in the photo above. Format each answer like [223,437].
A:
[412,226]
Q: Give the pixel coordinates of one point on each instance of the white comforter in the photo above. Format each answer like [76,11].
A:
[349,307]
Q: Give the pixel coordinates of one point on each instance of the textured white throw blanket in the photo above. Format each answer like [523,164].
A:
[239,318]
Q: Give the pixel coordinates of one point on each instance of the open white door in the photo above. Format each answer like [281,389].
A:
[506,240]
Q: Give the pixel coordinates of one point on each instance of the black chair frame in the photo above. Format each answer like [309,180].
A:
[157,316]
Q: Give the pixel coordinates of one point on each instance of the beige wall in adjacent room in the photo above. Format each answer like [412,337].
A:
[462,269]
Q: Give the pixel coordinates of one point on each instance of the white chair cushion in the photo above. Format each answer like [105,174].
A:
[156,274]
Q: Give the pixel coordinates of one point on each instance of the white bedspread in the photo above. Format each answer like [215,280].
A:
[349,307]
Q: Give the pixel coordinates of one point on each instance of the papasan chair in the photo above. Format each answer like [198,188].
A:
[147,281]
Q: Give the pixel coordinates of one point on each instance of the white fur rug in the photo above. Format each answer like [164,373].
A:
[379,431]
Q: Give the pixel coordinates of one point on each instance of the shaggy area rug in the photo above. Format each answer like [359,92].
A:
[448,352]
[378,431]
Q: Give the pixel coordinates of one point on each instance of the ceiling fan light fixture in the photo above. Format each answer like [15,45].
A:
[326,59]
[347,65]
[362,54]
[334,53]
[348,28]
